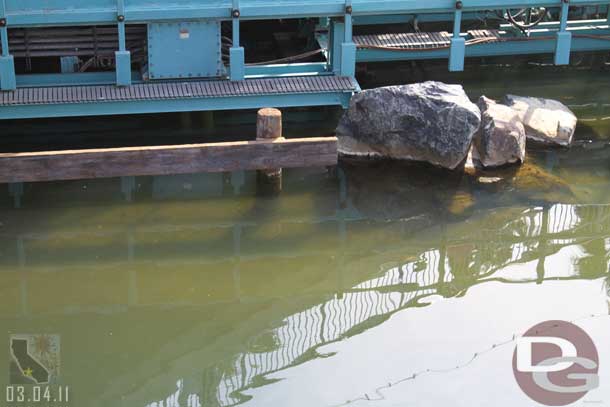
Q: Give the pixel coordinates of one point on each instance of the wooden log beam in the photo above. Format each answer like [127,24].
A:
[161,160]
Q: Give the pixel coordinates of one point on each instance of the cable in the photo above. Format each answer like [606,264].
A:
[289,59]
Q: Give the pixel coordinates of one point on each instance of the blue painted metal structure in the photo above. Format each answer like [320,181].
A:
[175,50]
[184,42]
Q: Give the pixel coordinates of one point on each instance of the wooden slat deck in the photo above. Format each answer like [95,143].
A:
[421,40]
[407,41]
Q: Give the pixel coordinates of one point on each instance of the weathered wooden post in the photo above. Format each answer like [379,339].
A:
[269,127]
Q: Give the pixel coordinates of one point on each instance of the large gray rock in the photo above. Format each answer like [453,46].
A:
[501,136]
[430,121]
[547,121]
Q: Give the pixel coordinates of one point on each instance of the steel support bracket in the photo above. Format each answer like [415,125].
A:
[348,47]
[457,53]
[123,68]
[8,79]
[564,37]
[237,69]
[457,50]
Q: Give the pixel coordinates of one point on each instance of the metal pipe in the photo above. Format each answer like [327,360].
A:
[565,11]
[4,36]
[236,32]
[120,7]
[122,46]
[348,22]
[457,23]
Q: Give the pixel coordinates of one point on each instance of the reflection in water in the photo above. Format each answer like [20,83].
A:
[449,270]
[207,299]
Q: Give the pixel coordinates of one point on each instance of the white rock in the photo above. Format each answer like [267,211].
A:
[501,138]
[545,120]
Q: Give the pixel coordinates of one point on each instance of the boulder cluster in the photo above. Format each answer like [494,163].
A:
[437,123]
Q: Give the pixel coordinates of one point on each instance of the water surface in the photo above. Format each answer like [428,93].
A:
[339,290]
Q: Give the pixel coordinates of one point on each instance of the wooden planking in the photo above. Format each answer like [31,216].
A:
[161,160]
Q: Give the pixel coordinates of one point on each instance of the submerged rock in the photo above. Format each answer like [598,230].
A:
[534,177]
[460,202]
[430,122]
[545,120]
[416,195]
[501,136]
[489,180]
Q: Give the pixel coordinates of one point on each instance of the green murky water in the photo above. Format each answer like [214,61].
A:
[338,290]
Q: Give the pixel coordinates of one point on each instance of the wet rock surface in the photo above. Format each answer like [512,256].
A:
[429,122]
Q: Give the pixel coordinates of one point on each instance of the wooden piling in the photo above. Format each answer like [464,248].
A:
[268,124]
[207,120]
[186,121]
[269,127]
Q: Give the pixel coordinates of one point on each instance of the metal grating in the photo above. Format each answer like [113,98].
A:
[74,41]
[178,90]
[404,40]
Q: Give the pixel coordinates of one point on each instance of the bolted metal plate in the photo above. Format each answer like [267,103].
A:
[184,50]
[178,90]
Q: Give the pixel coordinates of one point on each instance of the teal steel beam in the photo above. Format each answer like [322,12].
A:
[457,51]
[237,56]
[410,18]
[348,48]
[122,56]
[176,105]
[337,38]
[107,78]
[69,12]
[539,46]
[299,69]
[564,37]
[7,63]
[548,26]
